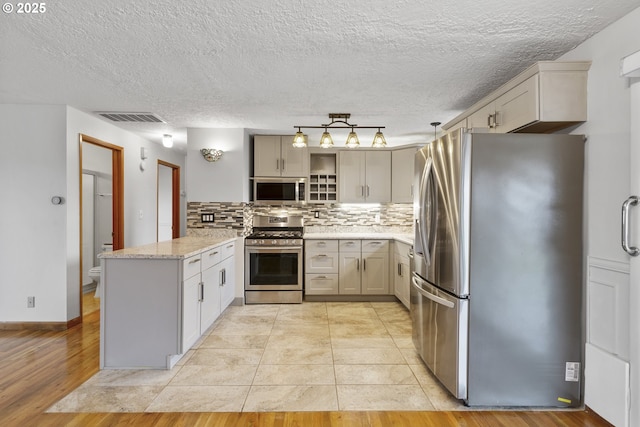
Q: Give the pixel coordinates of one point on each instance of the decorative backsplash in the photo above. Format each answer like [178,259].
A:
[238,217]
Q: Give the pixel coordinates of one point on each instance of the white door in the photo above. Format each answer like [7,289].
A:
[266,155]
[294,160]
[631,68]
[165,203]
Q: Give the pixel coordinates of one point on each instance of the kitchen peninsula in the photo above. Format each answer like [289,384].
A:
[158,299]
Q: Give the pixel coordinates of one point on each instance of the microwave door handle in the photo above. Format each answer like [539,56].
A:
[429,295]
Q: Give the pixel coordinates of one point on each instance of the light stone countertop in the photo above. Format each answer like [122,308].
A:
[183,247]
[401,237]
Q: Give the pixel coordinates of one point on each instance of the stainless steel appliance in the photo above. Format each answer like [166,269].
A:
[279,190]
[273,260]
[496,291]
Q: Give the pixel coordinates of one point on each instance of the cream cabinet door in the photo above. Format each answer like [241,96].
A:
[402,175]
[518,107]
[482,119]
[375,273]
[378,176]
[352,177]
[294,161]
[266,155]
[349,275]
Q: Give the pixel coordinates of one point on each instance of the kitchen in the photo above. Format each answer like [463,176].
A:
[607,120]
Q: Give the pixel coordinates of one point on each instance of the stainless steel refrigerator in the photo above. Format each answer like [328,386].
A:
[496,295]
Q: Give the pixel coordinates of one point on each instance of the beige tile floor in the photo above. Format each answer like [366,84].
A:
[301,357]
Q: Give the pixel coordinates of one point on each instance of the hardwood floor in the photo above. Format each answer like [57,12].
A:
[37,368]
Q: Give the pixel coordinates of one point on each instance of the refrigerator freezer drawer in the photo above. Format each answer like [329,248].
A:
[440,334]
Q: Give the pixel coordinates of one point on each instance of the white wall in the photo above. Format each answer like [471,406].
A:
[226,180]
[40,242]
[32,229]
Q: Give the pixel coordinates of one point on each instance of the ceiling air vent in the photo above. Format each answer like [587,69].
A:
[130,117]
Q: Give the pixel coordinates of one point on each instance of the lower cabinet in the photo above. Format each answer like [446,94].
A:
[347,267]
[402,273]
[206,293]
[154,308]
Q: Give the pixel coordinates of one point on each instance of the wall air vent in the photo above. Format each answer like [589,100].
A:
[115,116]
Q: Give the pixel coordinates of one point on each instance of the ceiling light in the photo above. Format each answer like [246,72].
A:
[352,140]
[299,140]
[378,140]
[167,140]
[326,141]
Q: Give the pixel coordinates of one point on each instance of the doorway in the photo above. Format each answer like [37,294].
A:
[168,197]
[101,210]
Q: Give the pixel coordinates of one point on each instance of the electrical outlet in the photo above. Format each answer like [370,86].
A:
[316,214]
[31,302]
[377,218]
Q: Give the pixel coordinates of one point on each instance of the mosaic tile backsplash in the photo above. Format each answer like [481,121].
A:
[236,218]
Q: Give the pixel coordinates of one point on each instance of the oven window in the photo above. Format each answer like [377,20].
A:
[280,191]
[273,268]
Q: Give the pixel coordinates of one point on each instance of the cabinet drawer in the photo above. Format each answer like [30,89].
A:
[321,284]
[369,246]
[210,258]
[321,262]
[349,245]
[227,250]
[191,266]
[321,245]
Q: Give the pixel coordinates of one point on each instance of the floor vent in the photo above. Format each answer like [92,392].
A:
[130,117]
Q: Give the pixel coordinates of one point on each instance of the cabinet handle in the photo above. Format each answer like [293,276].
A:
[399,269]
[194,261]
[230,246]
[224,276]
[282,164]
[321,277]
[631,250]
[495,119]
[364,264]
[323,244]
[358,264]
[489,121]
[321,255]
[277,164]
[367,191]
[213,253]
[201,296]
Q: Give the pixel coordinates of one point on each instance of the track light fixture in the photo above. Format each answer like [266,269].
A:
[326,141]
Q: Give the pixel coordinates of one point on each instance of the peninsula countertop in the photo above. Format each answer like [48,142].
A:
[183,247]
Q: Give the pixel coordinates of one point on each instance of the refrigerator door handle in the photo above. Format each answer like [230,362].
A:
[421,223]
[631,250]
[430,296]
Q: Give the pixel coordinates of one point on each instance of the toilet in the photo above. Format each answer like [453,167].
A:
[95,272]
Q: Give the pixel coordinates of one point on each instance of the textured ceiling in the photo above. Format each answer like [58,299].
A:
[271,64]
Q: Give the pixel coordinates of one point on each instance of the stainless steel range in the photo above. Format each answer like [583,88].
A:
[273,260]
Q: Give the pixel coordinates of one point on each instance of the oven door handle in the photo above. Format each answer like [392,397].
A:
[274,248]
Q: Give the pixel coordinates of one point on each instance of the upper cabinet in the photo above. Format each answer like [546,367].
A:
[548,96]
[402,174]
[365,176]
[275,156]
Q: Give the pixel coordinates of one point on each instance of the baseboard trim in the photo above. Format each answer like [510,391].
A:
[34,326]
[350,298]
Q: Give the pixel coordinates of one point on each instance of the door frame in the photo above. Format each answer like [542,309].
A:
[117,171]
[175,197]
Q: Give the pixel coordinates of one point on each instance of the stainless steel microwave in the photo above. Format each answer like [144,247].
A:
[279,190]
